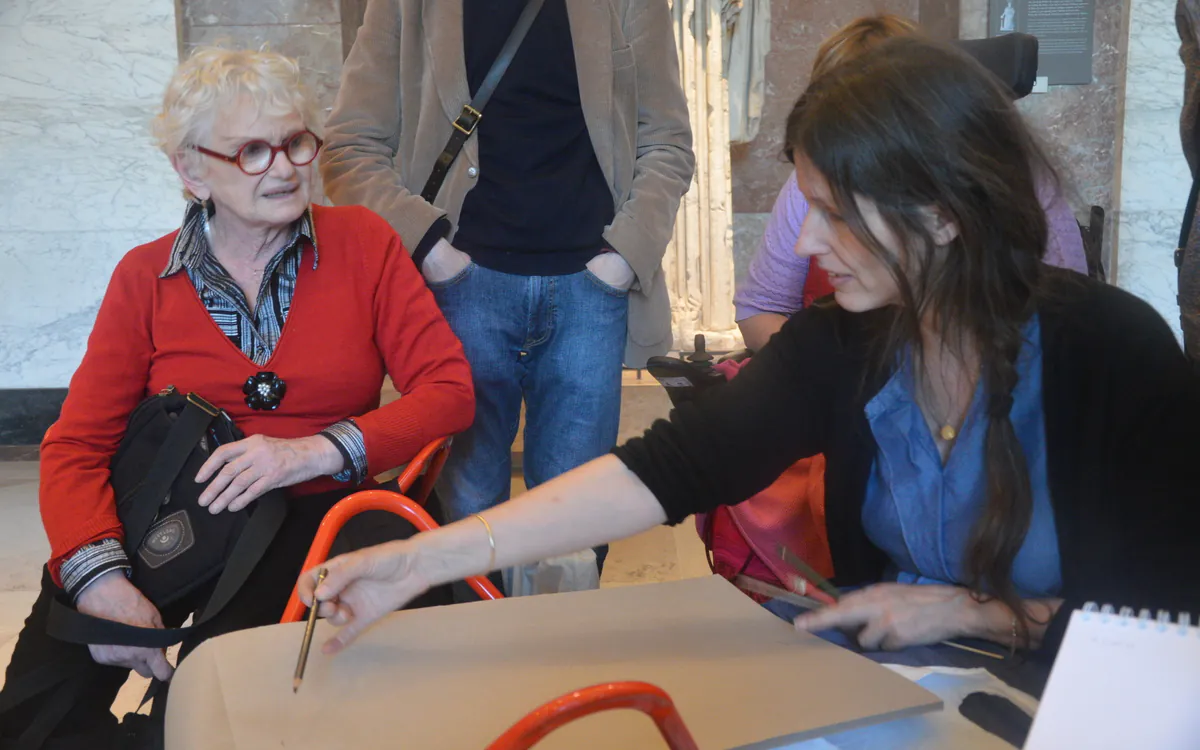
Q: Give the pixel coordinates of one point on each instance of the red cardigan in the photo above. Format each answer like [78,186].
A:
[362,313]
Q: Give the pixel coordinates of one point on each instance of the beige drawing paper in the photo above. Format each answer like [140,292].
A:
[456,677]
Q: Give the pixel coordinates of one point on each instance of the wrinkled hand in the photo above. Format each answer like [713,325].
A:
[613,270]
[247,469]
[443,262]
[113,597]
[361,587]
[892,616]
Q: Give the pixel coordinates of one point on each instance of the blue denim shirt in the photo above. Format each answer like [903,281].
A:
[920,512]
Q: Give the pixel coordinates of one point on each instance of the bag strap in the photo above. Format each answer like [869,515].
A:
[471,113]
[1189,216]
[68,624]
[195,419]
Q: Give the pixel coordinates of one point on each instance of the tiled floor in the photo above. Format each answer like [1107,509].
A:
[661,554]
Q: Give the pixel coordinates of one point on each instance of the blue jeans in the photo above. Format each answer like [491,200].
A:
[556,342]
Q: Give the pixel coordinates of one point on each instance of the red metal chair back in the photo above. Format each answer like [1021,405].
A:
[350,507]
[640,696]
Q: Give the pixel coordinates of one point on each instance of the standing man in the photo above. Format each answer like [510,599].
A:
[544,245]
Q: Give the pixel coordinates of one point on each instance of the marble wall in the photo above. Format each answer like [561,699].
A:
[308,30]
[1154,175]
[80,179]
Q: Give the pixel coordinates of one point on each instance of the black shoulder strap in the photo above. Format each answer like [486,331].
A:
[471,113]
[189,427]
[1189,216]
[68,624]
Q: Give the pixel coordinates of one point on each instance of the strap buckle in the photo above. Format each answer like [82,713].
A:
[203,405]
[468,120]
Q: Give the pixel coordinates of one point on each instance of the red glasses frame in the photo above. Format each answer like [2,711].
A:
[275,151]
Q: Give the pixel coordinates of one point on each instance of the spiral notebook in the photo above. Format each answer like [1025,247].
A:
[1122,680]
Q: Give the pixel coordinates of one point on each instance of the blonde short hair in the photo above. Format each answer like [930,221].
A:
[213,77]
[857,37]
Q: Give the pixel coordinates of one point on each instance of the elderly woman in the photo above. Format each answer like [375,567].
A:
[256,279]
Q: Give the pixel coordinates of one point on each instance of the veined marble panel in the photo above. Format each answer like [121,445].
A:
[1146,264]
[64,61]
[117,14]
[13,12]
[317,47]
[81,181]
[51,285]
[1154,175]
[83,166]
[1154,79]
[260,12]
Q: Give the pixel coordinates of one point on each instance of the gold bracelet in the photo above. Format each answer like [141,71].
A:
[492,542]
[1012,651]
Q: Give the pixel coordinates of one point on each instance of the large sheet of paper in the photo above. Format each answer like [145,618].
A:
[457,677]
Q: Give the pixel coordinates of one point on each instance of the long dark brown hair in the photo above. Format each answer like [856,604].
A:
[910,125]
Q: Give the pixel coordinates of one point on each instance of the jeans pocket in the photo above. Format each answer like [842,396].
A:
[604,286]
[453,280]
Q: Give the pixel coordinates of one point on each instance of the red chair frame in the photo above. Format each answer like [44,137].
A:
[350,507]
[640,696]
[423,470]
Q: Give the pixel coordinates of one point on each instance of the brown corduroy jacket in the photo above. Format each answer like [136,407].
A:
[1187,21]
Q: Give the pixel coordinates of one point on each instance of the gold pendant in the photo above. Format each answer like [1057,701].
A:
[948,433]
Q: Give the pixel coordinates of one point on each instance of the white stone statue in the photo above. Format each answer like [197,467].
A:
[699,260]
[1008,18]
[747,25]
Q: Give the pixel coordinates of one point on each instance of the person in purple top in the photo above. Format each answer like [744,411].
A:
[774,286]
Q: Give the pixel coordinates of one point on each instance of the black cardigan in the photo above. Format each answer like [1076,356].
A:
[1122,412]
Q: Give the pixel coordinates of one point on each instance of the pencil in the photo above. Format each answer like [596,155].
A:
[815,578]
[308,635]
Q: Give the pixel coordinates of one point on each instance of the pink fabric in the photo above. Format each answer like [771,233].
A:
[790,512]
[729,368]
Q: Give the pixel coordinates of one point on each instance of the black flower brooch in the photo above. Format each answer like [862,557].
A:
[264,391]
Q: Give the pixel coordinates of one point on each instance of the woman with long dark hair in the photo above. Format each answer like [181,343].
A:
[1004,440]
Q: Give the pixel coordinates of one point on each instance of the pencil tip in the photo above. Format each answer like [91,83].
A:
[296,685]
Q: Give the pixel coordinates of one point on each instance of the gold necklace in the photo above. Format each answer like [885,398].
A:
[947,431]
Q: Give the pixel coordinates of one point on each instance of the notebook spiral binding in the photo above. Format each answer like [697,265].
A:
[1144,619]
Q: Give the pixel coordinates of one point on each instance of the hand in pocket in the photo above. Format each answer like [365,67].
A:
[613,270]
[443,263]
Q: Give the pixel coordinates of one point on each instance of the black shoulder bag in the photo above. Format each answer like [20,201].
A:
[174,545]
[471,113]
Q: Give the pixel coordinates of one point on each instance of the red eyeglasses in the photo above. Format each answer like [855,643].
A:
[256,157]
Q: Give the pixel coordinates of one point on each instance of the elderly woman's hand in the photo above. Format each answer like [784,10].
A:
[113,597]
[362,587]
[249,468]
